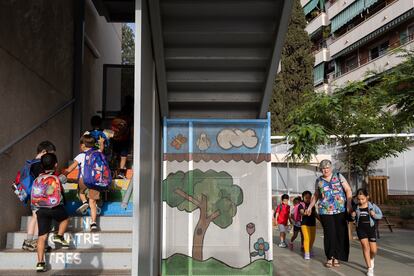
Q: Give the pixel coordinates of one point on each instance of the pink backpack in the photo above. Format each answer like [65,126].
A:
[296,214]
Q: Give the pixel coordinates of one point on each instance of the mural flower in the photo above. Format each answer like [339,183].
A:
[250,228]
[261,246]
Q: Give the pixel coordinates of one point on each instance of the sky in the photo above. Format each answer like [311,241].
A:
[132,25]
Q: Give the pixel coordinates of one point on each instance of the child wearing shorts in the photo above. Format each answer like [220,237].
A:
[365,215]
[282,218]
[87,142]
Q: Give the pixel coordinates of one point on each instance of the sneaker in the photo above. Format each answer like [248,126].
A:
[94,227]
[41,267]
[28,246]
[370,272]
[34,244]
[372,263]
[82,209]
[57,239]
[291,246]
[307,256]
[121,174]
[282,245]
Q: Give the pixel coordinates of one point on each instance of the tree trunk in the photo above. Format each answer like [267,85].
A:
[200,230]
[365,175]
[198,238]
[348,146]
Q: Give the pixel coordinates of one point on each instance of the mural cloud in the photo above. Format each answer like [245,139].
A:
[228,138]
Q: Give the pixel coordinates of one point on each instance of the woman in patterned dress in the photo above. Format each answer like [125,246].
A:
[334,197]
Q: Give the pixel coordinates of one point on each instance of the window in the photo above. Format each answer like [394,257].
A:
[379,50]
[410,32]
[351,63]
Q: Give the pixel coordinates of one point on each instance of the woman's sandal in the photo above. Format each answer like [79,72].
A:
[329,263]
[336,263]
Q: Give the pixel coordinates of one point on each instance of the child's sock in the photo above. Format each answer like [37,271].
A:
[29,237]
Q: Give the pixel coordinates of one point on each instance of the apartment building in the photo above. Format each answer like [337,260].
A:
[353,37]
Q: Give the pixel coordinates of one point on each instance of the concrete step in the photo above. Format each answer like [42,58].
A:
[70,259]
[80,240]
[106,223]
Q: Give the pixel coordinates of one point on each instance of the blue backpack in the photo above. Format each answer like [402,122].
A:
[96,171]
[22,185]
[96,134]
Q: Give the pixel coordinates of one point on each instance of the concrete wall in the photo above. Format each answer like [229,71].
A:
[147,154]
[36,54]
[102,46]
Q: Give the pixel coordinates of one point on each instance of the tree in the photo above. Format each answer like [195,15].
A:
[128,45]
[399,85]
[296,76]
[212,193]
[355,109]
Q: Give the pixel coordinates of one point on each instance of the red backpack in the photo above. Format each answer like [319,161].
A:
[46,191]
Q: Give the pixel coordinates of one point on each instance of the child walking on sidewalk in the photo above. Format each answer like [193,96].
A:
[365,215]
[295,220]
[308,225]
[282,217]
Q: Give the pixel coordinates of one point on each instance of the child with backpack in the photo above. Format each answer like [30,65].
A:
[46,197]
[295,220]
[100,135]
[282,217]
[121,141]
[365,215]
[308,224]
[94,175]
[22,186]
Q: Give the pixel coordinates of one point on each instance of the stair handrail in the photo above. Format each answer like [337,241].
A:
[35,127]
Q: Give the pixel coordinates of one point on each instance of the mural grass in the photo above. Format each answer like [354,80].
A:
[179,264]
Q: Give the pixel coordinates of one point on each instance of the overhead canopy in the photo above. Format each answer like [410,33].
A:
[310,6]
[214,58]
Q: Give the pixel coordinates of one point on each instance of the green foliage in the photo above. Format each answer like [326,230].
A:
[218,188]
[128,45]
[399,85]
[305,139]
[351,110]
[407,213]
[296,76]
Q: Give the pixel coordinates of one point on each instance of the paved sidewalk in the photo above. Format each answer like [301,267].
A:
[395,257]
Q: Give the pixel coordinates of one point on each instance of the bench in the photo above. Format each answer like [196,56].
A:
[387,223]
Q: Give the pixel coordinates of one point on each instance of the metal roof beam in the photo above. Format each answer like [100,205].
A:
[158,48]
[284,13]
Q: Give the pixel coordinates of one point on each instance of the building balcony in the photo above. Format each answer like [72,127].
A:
[376,21]
[323,88]
[318,22]
[388,60]
[334,9]
[322,56]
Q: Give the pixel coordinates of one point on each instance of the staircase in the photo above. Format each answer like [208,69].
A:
[107,252]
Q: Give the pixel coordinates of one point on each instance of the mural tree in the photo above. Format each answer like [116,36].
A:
[213,193]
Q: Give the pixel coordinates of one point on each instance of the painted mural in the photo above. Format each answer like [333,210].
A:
[216,197]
